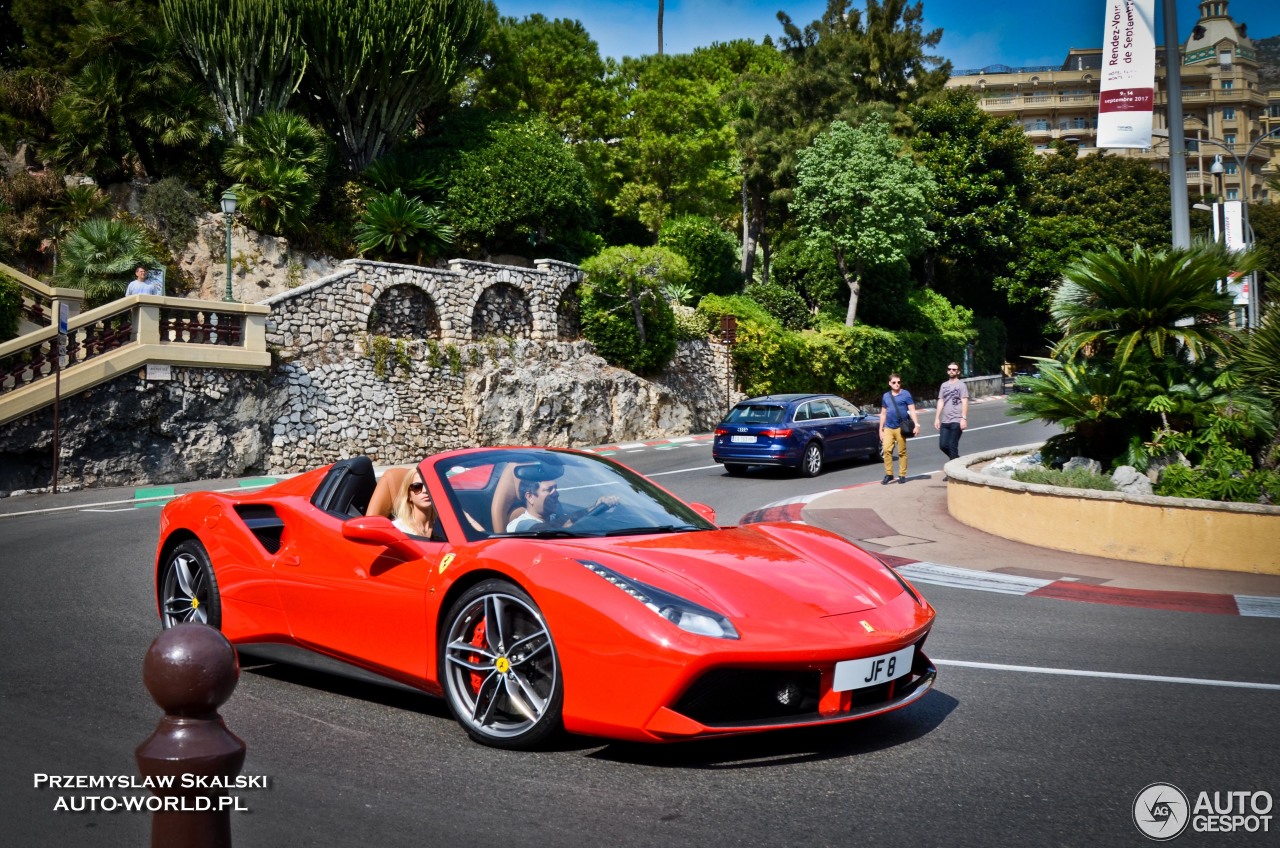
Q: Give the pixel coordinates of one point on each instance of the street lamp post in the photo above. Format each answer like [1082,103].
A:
[1217,169]
[228,211]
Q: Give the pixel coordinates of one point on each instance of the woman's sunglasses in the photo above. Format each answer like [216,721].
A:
[416,487]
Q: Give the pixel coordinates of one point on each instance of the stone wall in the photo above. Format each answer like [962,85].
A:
[201,424]
[381,360]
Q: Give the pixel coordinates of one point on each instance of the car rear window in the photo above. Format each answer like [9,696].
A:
[755,413]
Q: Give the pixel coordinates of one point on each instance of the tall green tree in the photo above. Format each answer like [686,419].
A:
[1080,204]
[549,67]
[983,166]
[249,53]
[131,105]
[673,149]
[376,65]
[838,66]
[857,190]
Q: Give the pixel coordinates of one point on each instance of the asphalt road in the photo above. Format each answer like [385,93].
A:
[992,756]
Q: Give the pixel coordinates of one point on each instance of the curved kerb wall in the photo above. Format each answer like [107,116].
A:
[1162,531]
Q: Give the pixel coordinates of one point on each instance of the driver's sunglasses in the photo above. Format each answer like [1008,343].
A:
[953,370]
[895,383]
[416,487]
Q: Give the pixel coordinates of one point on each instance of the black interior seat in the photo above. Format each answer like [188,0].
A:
[345,491]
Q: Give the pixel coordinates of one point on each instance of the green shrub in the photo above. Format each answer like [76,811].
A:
[1220,470]
[711,252]
[690,325]
[782,303]
[991,346]
[624,312]
[1076,478]
[171,209]
[810,270]
[10,307]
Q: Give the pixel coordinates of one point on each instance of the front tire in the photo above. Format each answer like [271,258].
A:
[811,462]
[189,588]
[499,669]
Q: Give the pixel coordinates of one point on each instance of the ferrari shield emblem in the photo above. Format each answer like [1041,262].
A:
[444,562]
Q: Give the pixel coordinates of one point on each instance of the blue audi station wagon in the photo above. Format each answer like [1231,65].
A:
[794,430]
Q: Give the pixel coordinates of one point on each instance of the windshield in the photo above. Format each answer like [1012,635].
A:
[546,493]
[755,413]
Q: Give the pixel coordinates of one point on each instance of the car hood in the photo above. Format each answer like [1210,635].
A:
[772,570]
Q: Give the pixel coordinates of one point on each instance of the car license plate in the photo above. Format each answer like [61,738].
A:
[872,671]
[743,440]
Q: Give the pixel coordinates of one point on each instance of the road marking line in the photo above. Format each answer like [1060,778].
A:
[966,578]
[1258,605]
[90,507]
[684,470]
[1113,675]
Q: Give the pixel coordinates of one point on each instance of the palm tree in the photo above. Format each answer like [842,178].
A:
[278,166]
[397,224]
[1162,303]
[660,10]
[99,257]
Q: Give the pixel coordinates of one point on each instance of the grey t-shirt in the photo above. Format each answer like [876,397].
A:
[950,397]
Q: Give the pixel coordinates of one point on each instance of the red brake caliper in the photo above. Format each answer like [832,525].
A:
[478,640]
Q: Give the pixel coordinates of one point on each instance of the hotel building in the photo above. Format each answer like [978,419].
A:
[1223,107]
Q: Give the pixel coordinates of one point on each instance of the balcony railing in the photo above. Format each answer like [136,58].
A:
[127,333]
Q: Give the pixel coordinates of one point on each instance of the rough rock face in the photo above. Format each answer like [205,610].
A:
[569,397]
[261,265]
[204,423]
[1130,481]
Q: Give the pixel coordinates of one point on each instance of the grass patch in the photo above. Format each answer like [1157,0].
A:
[1076,478]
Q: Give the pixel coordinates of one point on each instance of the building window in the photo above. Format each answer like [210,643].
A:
[1228,114]
[1227,85]
[1231,167]
[1233,194]
[1229,138]
[1079,123]
[1040,124]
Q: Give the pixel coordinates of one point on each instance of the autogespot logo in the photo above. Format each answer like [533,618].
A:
[1160,811]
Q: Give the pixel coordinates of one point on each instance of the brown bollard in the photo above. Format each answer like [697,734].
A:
[191,670]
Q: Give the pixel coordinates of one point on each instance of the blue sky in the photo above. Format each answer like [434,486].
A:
[975,32]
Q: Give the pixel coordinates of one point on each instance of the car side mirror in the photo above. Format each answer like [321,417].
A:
[377,530]
[705,511]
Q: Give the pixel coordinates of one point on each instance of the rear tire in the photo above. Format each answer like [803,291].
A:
[734,470]
[811,462]
[188,588]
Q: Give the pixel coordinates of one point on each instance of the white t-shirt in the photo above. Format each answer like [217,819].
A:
[523,521]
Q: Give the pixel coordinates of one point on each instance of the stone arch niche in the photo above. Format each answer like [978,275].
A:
[405,312]
[502,310]
[569,315]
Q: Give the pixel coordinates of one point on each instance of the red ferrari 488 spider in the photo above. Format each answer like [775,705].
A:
[556,590]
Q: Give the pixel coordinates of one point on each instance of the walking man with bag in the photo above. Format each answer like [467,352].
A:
[898,422]
[951,416]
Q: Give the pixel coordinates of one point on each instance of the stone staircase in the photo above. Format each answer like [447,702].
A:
[128,334]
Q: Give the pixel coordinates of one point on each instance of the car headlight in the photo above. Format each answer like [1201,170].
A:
[686,615]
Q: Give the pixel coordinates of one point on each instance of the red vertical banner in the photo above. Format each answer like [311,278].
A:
[1127,95]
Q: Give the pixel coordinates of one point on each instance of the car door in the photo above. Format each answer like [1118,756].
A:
[835,435]
[365,603]
[858,432]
